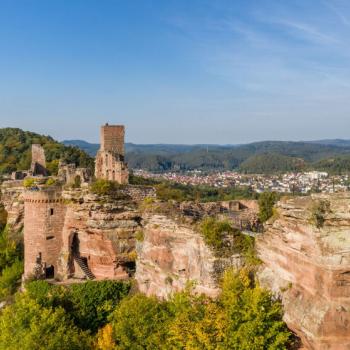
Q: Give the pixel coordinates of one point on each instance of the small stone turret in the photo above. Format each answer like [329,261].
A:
[110,163]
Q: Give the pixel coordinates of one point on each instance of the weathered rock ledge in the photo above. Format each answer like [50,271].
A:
[172,254]
[309,268]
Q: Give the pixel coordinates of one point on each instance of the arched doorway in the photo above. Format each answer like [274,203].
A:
[75,245]
[79,262]
[49,271]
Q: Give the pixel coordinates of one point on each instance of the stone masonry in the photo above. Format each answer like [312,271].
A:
[110,163]
[63,229]
[44,213]
[38,165]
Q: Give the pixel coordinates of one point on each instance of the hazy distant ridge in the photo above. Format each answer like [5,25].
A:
[265,156]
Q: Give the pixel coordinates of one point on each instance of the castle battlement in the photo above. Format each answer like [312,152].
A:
[43,195]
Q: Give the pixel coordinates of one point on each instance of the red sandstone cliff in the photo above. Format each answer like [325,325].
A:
[172,254]
[309,268]
[12,199]
[106,232]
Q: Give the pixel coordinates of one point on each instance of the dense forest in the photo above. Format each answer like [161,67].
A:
[259,157]
[15,151]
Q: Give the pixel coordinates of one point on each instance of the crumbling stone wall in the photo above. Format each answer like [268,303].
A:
[38,166]
[139,193]
[68,173]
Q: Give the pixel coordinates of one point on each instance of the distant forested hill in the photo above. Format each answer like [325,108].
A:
[267,163]
[257,157]
[15,151]
[90,148]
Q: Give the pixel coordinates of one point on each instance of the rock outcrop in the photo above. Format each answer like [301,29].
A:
[62,225]
[305,249]
[171,254]
[12,200]
[306,256]
[105,231]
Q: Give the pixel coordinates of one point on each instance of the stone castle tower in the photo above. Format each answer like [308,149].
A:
[38,165]
[110,163]
[44,213]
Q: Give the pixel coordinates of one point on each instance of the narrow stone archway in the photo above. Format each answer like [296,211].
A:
[79,266]
[75,245]
[49,272]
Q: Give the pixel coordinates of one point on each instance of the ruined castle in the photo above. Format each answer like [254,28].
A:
[110,163]
[71,233]
[61,239]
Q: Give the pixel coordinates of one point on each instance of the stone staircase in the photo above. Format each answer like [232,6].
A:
[84,268]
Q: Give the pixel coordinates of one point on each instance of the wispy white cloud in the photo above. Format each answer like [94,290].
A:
[278,61]
[306,31]
[337,12]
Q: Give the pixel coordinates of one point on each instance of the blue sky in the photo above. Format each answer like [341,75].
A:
[181,71]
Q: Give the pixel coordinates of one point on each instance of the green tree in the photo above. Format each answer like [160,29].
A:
[266,201]
[254,319]
[26,325]
[140,322]
[198,322]
[214,231]
[10,249]
[93,301]
[89,304]
[3,217]
[10,278]
[243,317]
[15,151]
[103,187]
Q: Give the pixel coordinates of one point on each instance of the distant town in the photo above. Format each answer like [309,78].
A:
[305,182]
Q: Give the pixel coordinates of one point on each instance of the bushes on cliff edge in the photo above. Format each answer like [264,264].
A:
[225,240]
[319,210]
[107,188]
[214,232]
[266,202]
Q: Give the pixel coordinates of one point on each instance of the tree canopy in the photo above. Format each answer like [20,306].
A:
[15,151]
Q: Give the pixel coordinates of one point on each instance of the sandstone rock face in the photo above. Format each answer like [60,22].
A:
[309,267]
[105,235]
[68,231]
[12,199]
[173,254]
